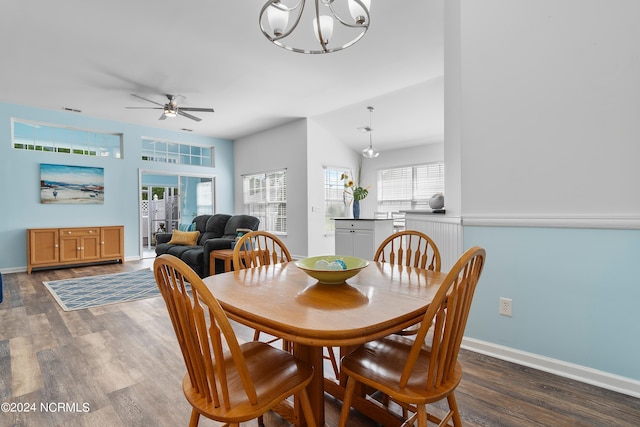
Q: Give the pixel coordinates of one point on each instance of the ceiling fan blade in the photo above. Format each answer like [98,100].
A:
[148,100]
[145,108]
[203,110]
[189,116]
[162,117]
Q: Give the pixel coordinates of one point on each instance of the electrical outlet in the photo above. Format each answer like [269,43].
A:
[505,308]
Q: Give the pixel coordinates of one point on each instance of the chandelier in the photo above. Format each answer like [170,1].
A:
[280,18]
[369,152]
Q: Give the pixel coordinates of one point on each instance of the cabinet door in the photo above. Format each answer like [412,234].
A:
[90,247]
[112,242]
[70,248]
[363,244]
[43,246]
[344,242]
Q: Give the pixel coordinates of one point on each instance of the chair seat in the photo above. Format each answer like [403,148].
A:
[380,363]
[263,362]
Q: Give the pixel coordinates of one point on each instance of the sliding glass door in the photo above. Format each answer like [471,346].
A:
[169,200]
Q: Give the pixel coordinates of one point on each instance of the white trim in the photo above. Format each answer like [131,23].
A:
[10,270]
[584,374]
[569,221]
[429,216]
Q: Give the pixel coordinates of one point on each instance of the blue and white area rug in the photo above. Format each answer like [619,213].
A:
[94,291]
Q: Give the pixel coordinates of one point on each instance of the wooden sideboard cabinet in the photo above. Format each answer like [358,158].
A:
[361,237]
[56,247]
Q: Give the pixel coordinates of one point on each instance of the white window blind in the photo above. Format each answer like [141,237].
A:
[265,197]
[409,187]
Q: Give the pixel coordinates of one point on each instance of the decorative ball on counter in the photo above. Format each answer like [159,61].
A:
[436,201]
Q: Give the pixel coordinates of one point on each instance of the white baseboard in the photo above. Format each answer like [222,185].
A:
[23,269]
[584,374]
[13,270]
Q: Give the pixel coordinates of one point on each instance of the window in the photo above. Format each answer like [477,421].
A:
[155,150]
[334,201]
[59,139]
[409,187]
[265,197]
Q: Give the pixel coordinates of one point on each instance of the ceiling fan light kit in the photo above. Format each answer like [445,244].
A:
[171,109]
[335,24]
[369,152]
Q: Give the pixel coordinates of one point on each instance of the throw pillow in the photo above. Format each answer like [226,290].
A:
[188,238]
[187,227]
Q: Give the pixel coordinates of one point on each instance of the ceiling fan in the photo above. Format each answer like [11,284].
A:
[171,109]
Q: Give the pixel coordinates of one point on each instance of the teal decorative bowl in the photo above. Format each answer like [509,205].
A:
[318,267]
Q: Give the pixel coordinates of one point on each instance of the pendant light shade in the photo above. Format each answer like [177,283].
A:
[370,152]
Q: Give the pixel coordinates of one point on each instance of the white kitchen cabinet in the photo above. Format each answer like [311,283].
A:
[361,237]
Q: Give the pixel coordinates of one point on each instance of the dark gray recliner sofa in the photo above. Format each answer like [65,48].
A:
[216,232]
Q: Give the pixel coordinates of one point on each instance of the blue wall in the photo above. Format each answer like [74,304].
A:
[575,294]
[20,178]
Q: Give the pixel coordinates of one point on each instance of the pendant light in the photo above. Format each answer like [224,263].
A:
[370,152]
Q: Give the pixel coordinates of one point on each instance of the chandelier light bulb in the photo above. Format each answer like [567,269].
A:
[359,14]
[278,20]
[326,28]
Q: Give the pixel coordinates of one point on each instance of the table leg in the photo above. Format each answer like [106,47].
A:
[312,355]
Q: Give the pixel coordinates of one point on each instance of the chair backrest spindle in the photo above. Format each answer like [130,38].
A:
[447,315]
[410,248]
[203,331]
[259,248]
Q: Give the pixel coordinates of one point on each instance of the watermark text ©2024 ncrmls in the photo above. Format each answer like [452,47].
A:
[63,407]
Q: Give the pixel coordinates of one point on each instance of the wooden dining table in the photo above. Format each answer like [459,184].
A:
[282,300]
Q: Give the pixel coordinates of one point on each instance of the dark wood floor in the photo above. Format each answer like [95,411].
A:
[123,363]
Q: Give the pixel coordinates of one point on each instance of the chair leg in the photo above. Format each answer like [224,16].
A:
[422,415]
[261,421]
[306,408]
[346,403]
[256,335]
[334,362]
[453,406]
[195,418]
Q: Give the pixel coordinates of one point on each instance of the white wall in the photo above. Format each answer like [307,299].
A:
[550,103]
[282,147]
[324,150]
[543,100]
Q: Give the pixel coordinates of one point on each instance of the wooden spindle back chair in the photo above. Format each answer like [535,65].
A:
[225,381]
[410,248]
[408,371]
[259,248]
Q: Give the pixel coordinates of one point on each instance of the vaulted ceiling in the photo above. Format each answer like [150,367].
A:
[91,56]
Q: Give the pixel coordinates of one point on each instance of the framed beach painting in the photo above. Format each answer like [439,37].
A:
[71,184]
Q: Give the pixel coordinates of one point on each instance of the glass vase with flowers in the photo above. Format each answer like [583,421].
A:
[355,191]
